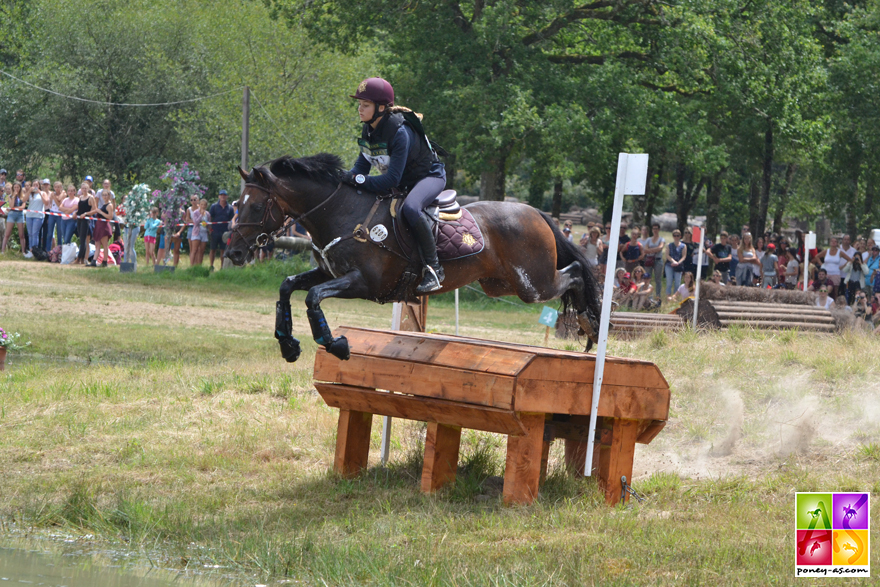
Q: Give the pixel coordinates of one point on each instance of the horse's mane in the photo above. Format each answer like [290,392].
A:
[324,167]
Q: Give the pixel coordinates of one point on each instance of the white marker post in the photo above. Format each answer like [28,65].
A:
[385,447]
[632,173]
[456,312]
[809,244]
[698,234]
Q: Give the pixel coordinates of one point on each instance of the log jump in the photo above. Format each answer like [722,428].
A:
[532,394]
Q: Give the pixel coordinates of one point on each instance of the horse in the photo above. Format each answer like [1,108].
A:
[525,254]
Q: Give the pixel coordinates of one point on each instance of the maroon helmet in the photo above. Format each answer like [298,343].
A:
[375,89]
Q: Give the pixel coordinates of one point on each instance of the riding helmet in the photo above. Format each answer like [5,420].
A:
[375,89]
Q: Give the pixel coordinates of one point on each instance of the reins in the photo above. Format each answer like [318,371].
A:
[263,239]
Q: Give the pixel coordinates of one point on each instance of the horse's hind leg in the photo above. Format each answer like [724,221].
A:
[350,285]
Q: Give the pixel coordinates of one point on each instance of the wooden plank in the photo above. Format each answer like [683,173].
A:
[545,460]
[417,347]
[471,387]
[441,456]
[774,317]
[617,460]
[538,351]
[560,397]
[352,442]
[522,472]
[735,303]
[420,408]
[617,372]
[650,432]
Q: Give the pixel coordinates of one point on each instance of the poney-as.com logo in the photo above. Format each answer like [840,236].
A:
[833,535]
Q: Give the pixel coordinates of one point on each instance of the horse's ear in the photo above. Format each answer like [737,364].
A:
[263,176]
[243,173]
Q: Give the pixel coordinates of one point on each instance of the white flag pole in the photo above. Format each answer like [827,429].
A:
[456,312]
[385,447]
[632,171]
[809,244]
[700,244]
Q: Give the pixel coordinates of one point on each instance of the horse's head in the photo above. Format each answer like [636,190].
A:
[260,213]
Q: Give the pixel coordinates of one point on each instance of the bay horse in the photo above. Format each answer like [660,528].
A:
[525,253]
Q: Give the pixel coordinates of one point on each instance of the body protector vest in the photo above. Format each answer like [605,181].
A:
[375,143]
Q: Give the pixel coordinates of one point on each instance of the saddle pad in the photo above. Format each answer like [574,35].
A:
[455,238]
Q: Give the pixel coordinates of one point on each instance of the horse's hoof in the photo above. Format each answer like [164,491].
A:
[589,345]
[290,349]
[339,348]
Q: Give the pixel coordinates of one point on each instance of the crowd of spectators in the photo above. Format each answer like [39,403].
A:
[45,220]
[651,271]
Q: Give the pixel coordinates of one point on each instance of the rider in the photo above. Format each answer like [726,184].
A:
[401,153]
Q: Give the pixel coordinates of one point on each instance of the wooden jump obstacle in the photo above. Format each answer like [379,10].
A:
[532,394]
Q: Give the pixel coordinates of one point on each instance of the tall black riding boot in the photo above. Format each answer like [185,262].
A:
[433,273]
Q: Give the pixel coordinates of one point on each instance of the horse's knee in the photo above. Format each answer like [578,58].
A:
[286,288]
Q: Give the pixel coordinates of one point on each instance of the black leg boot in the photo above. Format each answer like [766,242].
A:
[433,275]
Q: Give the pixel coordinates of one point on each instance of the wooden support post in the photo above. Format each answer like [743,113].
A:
[616,460]
[545,459]
[522,473]
[441,456]
[352,442]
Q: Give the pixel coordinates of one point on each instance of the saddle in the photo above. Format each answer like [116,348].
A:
[456,232]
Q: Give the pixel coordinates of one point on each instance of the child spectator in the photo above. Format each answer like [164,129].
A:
[68,208]
[199,235]
[768,265]
[792,269]
[686,289]
[641,296]
[151,225]
[748,258]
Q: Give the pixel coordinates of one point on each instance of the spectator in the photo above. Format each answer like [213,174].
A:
[824,300]
[832,259]
[853,276]
[103,232]
[68,208]
[5,193]
[3,182]
[846,245]
[863,311]
[188,220]
[704,271]
[603,253]
[686,289]
[220,212]
[768,265]
[760,251]
[566,230]
[675,255]
[872,261]
[86,208]
[200,218]
[821,280]
[15,206]
[654,258]
[689,266]
[623,287]
[641,297]
[747,259]
[792,269]
[592,244]
[151,225]
[37,206]
[840,304]
[53,220]
[720,254]
[632,252]
[734,255]
[718,278]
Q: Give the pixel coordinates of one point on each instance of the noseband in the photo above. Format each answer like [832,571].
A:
[262,239]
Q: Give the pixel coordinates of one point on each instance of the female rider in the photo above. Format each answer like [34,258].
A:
[404,158]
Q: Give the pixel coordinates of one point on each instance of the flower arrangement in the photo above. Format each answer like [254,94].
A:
[174,200]
[137,204]
[10,340]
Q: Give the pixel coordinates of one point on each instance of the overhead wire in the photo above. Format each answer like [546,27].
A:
[102,103]
[275,124]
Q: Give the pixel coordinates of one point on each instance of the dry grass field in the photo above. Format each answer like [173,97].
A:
[156,416]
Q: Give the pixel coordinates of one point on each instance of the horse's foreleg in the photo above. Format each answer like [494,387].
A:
[290,348]
[350,285]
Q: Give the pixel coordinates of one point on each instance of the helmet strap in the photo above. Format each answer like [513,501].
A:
[376,114]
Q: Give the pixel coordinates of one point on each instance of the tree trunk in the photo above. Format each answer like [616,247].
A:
[868,216]
[685,197]
[492,181]
[767,183]
[783,198]
[653,190]
[713,205]
[557,199]
[754,201]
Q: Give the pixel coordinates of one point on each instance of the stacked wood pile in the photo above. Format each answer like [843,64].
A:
[773,316]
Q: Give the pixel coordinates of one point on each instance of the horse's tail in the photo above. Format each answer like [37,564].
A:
[567,253]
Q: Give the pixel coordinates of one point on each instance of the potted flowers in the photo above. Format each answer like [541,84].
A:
[9,341]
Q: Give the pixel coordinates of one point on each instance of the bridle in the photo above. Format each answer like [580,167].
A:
[262,239]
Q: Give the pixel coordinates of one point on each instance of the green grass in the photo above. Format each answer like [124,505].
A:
[179,431]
